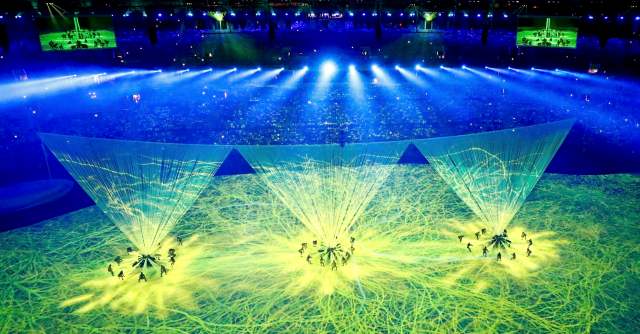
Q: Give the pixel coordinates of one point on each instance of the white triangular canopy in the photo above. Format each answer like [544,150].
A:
[326,187]
[144,188]
[494,172]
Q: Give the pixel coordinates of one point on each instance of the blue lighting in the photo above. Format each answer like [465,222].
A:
[590,17]
[189,14]
[306,68]
[466,15]
[352,68]
[397,67]
[417,67]
[621,18]
[159,14]
[505,15]
[637,18]
[375,67]
[350,13]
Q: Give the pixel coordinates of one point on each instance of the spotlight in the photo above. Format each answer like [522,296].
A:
[505,15]
[397,68]
[306,68]
[533,68]
[486,67]
[259,69]
[374,67]
[590,17]
[417,67]
[234,69]
[464,67]
[637,18]
[189,14]
[352,68]
[329,67]
[441,67]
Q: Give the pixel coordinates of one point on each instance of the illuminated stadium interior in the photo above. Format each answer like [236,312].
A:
[320,167]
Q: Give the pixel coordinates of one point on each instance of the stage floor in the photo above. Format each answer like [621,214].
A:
[239,271]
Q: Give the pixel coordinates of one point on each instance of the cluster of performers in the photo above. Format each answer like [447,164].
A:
[485,249]
[81,39]
[327,255]
[145,261]
[547,38]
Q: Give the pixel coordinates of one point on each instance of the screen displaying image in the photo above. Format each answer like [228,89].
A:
[547,32]
[76,33]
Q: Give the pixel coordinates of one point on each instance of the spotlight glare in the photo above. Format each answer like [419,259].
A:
[397,67]
[417,67]
[306,68]
[328,67]
[352,68]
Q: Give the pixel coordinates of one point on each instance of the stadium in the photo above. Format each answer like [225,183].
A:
[319,166]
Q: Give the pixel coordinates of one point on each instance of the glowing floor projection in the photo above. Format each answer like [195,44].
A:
[234,275]
[330,239]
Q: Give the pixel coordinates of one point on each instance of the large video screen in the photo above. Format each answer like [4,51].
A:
[547,32]
[76,33]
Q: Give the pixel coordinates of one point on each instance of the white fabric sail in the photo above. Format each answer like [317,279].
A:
[326,187]
[494,172]
[144,188]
